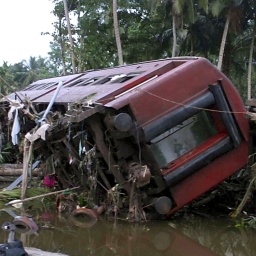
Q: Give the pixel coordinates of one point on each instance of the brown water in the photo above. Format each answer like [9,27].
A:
[183,236]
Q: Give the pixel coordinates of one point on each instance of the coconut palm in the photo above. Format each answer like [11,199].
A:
[183,16]
[232,11]
[249,77]
[70,36]
[26,72]
[117,34]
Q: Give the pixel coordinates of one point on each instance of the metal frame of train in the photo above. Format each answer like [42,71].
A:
[176,127]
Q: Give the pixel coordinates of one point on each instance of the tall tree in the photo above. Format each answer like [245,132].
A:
[62,47]
[117,34]
[231,9]
[249,78]
[179,7]
[182,15]
[72,52]
[174,30]
[250,62]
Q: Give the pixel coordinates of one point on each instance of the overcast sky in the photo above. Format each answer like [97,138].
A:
[21,24]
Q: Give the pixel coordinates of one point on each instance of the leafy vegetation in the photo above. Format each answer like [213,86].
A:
[6,154]
[221,31]
[9,195]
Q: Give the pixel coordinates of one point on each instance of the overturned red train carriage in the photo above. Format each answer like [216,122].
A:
[174,127]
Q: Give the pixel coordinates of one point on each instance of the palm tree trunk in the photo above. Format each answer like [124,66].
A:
[62,48]
[223,42]
[117,34]
[79,68]
[70,37]
[174,34]
[192,46]
[249,77]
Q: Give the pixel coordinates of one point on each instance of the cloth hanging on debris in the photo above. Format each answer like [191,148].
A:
[40,133]
[17,105]
[16,124]
[15,128]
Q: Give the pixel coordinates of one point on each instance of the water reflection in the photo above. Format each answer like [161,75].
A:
[189,237]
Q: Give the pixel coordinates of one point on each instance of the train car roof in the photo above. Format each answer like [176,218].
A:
[99,85]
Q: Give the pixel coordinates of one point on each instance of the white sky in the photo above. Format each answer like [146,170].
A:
[21,24]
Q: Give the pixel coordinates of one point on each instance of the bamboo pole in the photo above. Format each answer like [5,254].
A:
[26,158]
[39,196]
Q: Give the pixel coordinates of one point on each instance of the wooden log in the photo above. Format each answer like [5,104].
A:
[26,159]
[11,166]
[7,179]
[14,170]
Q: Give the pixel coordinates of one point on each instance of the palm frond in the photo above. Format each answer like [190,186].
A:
[204,4]
[217,7]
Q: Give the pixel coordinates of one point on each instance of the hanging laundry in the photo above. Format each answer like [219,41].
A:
[16,124]
[15,128]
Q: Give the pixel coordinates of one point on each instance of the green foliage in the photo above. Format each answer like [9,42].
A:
[247,222]
[6,154]
[7,196]
[217,7]
[146,33]
[21,74]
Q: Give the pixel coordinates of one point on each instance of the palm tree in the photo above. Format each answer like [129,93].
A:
[117,34]
[177,11]
[249,77]
[182,15]
[58,36]
[231,9]
[174,29]
[35,69]
[61,43]
[70,36]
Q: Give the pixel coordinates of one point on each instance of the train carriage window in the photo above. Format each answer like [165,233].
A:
[123,78]
[181,139]
[74,83]
[83,81]
[90,81]
[106,79]
[118,78]
[51,85]
[30,88]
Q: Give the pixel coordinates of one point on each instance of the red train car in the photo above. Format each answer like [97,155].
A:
[174,127]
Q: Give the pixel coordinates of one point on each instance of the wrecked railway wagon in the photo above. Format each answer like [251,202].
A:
[142,138]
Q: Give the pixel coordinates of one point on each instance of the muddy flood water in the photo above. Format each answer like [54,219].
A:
[190,235]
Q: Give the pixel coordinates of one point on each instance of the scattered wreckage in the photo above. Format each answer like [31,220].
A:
[141,140]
